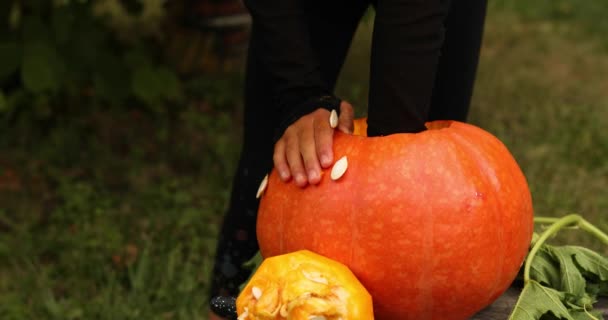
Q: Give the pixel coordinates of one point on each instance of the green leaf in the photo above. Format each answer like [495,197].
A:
[587,315]
[592,262]
[545,269]
[580,303]
[536,300]
[572,281]
[593,289]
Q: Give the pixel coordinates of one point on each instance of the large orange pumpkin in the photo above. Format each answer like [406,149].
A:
[434,224]
[303,285]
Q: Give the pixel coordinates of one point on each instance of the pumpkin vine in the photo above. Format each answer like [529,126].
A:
[557,224]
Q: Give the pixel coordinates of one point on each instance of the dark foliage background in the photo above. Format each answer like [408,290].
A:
[120,128]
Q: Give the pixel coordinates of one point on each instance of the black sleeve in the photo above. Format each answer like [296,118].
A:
[284,47]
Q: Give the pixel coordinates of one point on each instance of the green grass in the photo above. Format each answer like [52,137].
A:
[542,90]
[112,216]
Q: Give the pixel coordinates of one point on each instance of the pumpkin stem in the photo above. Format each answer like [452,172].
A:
[572,220]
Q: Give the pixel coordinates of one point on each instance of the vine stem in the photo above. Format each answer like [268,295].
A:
[556,225]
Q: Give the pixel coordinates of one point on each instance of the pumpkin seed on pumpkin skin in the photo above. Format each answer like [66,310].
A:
[333,119]
[339,168]
[262,187]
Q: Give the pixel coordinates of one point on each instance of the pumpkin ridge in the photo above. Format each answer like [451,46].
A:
[422,143]
[354,225]
[441,146]
[481,162]
[515,172]
[427,274]
[354,233]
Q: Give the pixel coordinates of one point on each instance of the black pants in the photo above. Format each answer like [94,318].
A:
[447,90]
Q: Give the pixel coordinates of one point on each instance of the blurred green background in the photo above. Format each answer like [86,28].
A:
[120,126]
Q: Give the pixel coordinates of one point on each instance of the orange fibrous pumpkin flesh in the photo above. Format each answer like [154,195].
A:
[435,224]
[303,285]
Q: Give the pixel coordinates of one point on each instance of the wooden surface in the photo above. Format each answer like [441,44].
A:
[501,308]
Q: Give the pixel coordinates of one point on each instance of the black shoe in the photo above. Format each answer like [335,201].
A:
[224,307]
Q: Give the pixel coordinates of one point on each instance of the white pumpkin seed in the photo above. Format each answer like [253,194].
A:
[257,292]
[339,168]
[317,318]
[244,315]
[315,277]
[262,187]
[333,119]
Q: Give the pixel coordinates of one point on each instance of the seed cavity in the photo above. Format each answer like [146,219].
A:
[257,292]
[262,187]
[333,119]
[339,168]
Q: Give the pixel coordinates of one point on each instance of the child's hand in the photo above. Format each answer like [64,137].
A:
[306,145]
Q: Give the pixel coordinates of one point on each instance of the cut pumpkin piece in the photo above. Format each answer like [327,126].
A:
[303,285]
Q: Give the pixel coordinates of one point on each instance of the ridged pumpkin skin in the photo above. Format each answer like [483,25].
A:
[304,284]
[435,225]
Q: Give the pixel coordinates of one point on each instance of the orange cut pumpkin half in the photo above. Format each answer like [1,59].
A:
[303,285]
